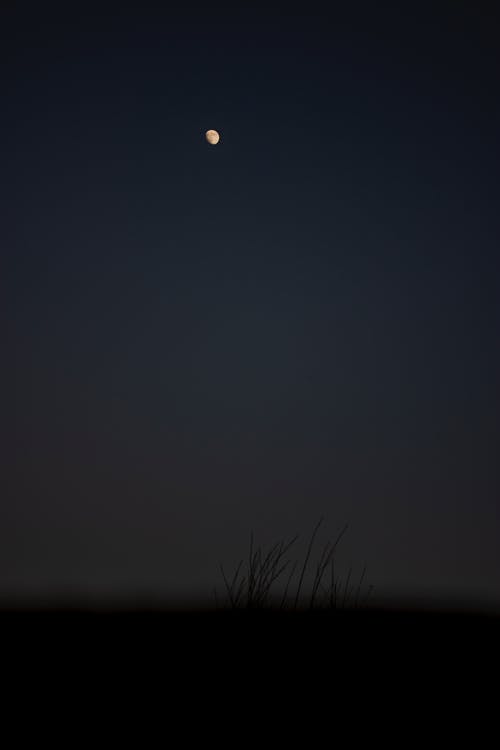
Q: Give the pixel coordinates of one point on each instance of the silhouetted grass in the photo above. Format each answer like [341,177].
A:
[255,582]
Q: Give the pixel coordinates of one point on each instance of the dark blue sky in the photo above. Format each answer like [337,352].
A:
[301,321]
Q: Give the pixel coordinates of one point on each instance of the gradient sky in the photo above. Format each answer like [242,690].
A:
[303,320]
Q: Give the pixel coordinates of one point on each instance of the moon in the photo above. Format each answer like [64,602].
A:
[212,137]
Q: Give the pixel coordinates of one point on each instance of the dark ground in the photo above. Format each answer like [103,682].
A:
[383,675]
[332,635]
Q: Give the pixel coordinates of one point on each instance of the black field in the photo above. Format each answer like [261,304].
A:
[359,674]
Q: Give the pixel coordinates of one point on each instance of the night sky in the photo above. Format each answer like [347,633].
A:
[301,321]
